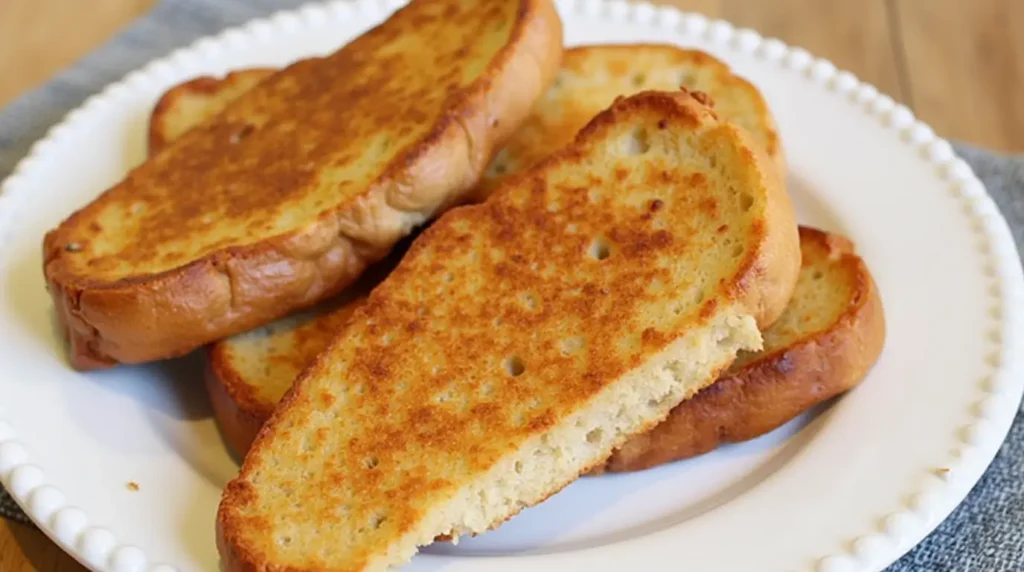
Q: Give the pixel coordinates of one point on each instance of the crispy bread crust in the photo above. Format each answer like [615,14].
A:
[239,413]
[234,289]
[769,391]
[775,148]
[762,281]
[779,265]
[240,406]
[163,127]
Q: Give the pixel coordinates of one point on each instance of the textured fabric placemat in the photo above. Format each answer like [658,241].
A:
[983,534]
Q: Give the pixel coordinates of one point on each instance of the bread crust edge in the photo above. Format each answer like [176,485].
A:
[238,413]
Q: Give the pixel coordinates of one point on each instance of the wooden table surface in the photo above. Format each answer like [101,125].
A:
[957,63]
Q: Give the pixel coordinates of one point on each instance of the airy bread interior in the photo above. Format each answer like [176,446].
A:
[546,462]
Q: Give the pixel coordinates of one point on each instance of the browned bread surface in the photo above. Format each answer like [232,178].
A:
[591,77]
[247,375]
[520,341]
[264,209]
[250,372]
[824,344]
[830,335]
[191,103]
[245,379]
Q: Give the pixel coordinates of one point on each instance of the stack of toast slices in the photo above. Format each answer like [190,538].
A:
[444,271]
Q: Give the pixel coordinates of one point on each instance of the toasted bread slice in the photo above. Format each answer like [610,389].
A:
[191,103]
[520,341]
[591,77]
[829,337]
[284,197]
[249,373]
[826,341]
[823,345]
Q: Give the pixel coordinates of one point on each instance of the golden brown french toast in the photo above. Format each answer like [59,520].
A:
[591,77]
[823,345]
[520,341]
[282,198]
[250,372]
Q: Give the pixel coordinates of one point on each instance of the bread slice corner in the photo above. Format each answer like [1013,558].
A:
[193,102]
[823,345]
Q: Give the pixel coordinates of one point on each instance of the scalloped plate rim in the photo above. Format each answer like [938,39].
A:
[1008,275]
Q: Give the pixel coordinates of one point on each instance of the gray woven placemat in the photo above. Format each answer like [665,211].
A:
[983,534]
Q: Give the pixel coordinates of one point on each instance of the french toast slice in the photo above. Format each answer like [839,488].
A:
[283,198]
[823,345]
[520,341]
[591,77]
[828,338]
[249,373]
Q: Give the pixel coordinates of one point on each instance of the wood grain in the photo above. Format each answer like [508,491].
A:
[40,37]
[958,63]
[855,36]
[24,549]
[965,67]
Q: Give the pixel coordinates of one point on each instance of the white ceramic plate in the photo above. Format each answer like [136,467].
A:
[850,488]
